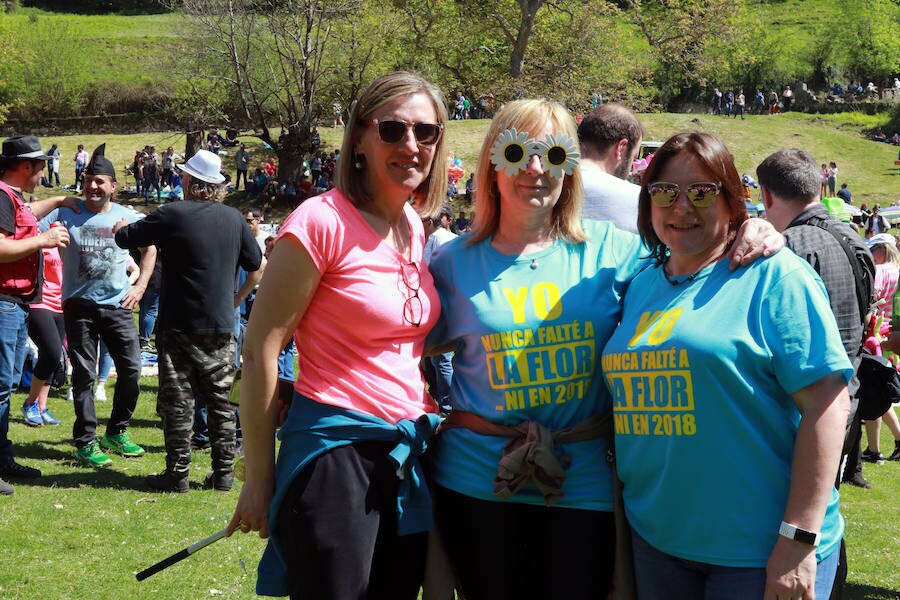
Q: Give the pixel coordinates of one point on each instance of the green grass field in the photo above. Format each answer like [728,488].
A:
[77,533]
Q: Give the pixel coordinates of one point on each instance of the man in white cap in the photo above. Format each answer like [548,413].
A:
[202,244]
[98,303]
[21,275]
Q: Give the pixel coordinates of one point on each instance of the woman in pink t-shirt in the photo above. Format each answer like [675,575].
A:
[47,331]
[347,279]
[887,272]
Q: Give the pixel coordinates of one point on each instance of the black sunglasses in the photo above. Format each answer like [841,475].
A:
[392,132]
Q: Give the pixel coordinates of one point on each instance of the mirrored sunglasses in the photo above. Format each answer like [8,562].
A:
[700,193]
[392,132]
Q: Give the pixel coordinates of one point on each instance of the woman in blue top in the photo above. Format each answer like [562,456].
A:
[529,298]
[730,398]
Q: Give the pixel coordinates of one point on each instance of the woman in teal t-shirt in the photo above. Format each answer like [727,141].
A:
[730,399]
[529,298]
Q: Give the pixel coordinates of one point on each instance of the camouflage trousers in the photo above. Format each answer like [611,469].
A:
[202,365]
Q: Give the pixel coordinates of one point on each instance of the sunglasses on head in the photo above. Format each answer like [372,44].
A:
[699,193]
[392,132]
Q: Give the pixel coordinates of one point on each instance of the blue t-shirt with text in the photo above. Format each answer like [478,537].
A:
[529,330]
[701,375]
[94,267]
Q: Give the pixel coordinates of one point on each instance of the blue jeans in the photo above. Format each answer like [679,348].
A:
[149,306]
[443,373]
[151,183]
[13,341]
[104,363]
[663,576]
[286,362]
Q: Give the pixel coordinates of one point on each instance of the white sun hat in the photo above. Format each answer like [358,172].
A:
[205,166]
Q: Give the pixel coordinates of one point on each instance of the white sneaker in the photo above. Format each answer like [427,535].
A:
[100,393]
[69,396]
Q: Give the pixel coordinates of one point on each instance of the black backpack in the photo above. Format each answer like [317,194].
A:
[879,383]
[879,386]
[860,261]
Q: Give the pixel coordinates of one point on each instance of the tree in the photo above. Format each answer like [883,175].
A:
[514,48]
[682,35]
[8,69]
[361,47]
[874,49]
[269,55]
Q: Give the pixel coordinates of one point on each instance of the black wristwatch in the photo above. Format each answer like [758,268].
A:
[792,532]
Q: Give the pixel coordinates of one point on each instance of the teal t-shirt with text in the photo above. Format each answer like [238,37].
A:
[529,332]
[701,375]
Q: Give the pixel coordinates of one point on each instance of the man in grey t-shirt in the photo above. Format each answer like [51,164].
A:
[610,138]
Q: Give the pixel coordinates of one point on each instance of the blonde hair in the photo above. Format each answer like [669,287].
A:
[202,190]
[350,180]
[891,253]
[530,116]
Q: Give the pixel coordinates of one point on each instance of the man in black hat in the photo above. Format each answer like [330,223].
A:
[203,242]
[98,302]
[21,275]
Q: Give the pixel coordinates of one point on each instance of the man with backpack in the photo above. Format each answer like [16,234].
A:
[790,184]
[793,207]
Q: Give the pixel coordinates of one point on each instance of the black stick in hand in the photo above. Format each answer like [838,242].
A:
[180,555]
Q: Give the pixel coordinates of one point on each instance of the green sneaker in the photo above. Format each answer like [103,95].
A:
[92,456]
[121,444]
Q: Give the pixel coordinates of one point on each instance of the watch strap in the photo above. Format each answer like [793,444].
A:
[804,536]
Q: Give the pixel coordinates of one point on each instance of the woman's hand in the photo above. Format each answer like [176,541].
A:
[755,238]
[252,510]
[791,571]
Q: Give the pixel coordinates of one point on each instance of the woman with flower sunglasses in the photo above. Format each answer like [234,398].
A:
[345,503]
[730,398]
[523,495]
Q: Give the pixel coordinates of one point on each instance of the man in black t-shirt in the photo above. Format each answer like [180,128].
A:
[21,276]
[203,242]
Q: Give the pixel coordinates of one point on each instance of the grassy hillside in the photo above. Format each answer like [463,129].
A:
[126,48]
[868,167]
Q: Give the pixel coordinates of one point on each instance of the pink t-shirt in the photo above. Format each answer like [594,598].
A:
[51,292]
[886,275]
[356,350]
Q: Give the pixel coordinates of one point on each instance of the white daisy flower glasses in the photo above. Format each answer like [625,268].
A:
[558,153]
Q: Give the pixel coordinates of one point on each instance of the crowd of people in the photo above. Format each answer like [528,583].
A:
[571,315]
[734,103]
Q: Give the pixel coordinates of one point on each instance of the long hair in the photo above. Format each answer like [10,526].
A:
[716,159]
[531,116]
[387,88]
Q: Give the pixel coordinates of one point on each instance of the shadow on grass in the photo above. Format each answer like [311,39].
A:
[85,477]
[858,591]
[39,450]
[144,423]
[100,479]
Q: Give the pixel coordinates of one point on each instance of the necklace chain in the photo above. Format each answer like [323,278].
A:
[671,278]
